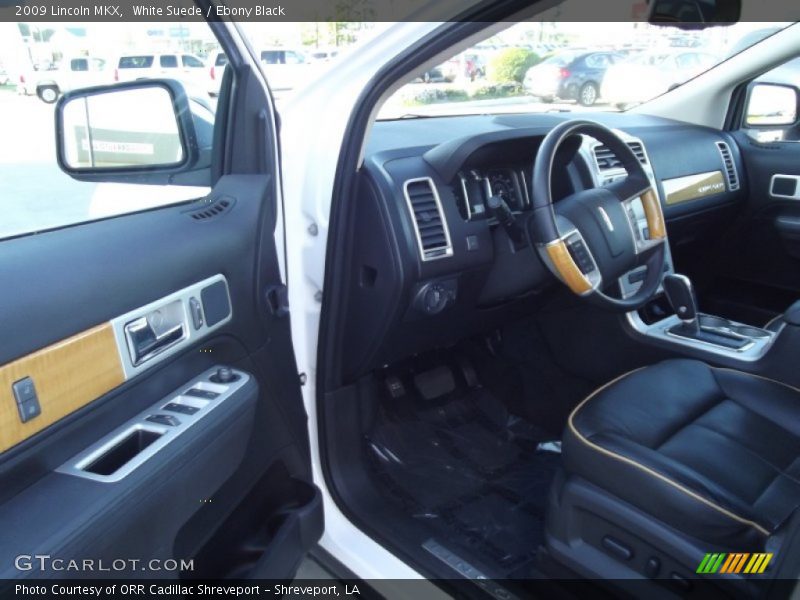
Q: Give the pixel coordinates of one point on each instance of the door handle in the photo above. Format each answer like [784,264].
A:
[150,335]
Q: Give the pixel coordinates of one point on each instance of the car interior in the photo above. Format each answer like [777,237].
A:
[553,347]
[564,346]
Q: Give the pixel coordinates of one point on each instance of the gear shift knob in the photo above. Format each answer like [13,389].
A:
[680,293]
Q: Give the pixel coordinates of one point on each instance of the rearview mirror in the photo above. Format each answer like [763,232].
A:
[771,105]
[142,132]
[694,14]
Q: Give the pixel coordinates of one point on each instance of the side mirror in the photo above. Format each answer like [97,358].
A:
[694,14]
[772,105]
[137,132]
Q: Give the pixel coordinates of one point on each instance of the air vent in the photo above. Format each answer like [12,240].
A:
[606,160]
[208,209]
[730,166]
[430,225]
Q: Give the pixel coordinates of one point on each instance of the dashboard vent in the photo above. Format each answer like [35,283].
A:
[606,160]
[210,208]
[430,225]
[730,166]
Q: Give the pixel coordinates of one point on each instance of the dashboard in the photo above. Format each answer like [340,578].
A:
[430,264]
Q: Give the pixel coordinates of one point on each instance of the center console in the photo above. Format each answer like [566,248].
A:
[696,332]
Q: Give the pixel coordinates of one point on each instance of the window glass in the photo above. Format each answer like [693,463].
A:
[168,61]
[273,57]
[554,65]
[79,64]
[771,114]
[136,62]
[35,194]
[191,61]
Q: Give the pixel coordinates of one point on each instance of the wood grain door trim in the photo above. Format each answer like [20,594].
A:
[67,376]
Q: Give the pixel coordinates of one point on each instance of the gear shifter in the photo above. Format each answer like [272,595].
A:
[680,292]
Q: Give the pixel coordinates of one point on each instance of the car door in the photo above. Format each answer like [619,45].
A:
[152,420]
[757,266]
[193,69]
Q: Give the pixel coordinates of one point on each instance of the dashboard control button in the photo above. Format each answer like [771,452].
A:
[432,298]
[197,312]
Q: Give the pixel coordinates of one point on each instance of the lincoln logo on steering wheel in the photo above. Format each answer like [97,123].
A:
[606,218]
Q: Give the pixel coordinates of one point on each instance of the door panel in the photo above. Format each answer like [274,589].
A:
[762,253]
[59,319]
[64,377]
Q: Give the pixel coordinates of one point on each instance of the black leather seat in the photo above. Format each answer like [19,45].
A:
[712,453]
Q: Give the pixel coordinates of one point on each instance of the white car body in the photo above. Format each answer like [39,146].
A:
[308,179]
[655,72]
[72,73]
[181,66]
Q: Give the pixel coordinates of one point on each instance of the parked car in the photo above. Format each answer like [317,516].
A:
[576,75]
[215,64]
[434,75]
[654,72]
[70,74]
[186,68]
[467,65]
[323,54]
[286,68]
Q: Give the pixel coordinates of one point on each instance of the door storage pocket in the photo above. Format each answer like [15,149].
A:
[267,534]
[122,452]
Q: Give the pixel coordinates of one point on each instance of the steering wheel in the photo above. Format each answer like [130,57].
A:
[590,239]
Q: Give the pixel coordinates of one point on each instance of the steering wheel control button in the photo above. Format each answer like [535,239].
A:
[204,394]
[183,409]
[196,309]
[224,375]
[580,255]
[168,420]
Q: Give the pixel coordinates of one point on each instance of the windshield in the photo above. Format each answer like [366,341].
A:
[570,66]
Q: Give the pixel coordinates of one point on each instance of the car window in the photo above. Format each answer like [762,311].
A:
[549,66]
[79,64]
[191,61]
[686,61]
[272,57]
[35,194]
[136,62]
[222,60]
[771,113]
[597,61]
[294,58]
[168,61]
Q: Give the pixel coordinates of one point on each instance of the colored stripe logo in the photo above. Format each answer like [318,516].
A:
[736,562]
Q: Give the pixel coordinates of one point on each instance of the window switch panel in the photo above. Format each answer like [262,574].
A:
[184,409]
[204,394]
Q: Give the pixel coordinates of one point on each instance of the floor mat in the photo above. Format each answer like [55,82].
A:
[472,472]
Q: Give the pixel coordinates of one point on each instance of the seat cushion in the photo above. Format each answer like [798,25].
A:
[713,453]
